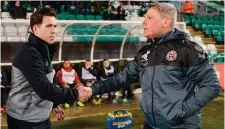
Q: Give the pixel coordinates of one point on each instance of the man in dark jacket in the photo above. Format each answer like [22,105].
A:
[32,91]
[175,75]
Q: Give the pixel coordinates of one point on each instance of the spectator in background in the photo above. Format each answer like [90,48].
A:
[5,6]
[17,11]
[111,12]
[99,6]
[121,12]
[29,6]
[106,71]
[68,78]
[88,73]
[143,10]
[188,7]
[92,11]
[88,77]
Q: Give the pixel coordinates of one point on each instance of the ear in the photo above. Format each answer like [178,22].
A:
[36,29]
[167,22]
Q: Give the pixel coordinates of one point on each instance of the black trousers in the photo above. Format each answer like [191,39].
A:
[19,124]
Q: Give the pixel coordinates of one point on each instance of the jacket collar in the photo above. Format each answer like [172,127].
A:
[46,50]
[160,38]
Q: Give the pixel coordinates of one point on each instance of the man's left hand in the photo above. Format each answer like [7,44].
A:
[60,115]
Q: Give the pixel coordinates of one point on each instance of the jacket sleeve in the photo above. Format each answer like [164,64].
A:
[77,80]
[59,78]
[93,71]
[102,73]
[204,78]
[121,80]
[30,63]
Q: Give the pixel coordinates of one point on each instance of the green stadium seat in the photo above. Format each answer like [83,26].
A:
[133,39]
[115,39]
[90,17]
[81,17]
[219,58]
[208,32]
[61,17]
[215,32]
[204,26]
[188,21]
[92,31]
[197,26]
[82,38]
[119,31]
[219,38]
[105,31]
[98,17]
[102,38]
[70,17]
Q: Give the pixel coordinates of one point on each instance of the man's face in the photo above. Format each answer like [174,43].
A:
[88,64]
[46,30]
[17,3]
[106,64]
[153,23]
[66,64]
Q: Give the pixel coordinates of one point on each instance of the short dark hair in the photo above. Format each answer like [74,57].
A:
[88,60]
[37,16]
[66,59]
[106,59]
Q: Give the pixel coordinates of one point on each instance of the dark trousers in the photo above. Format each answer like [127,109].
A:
[127,93]
[3,92]
[19,124]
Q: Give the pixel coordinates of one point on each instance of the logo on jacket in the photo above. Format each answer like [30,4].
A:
[144,58]
[171,55]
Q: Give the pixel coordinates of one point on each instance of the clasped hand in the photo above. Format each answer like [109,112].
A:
[84,93]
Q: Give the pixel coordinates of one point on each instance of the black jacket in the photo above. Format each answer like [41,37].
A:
[32,89]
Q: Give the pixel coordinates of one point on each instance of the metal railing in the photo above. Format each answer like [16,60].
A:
[182,25]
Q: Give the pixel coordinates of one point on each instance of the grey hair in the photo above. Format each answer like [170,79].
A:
[166,8]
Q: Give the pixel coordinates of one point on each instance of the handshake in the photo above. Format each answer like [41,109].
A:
[84,93]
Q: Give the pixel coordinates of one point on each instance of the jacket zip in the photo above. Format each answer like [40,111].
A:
[155,47]
[48,54]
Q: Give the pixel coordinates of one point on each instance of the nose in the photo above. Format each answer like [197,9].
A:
[143,22]
[53,30]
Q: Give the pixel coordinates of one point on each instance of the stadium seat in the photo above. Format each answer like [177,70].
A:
[81,17]
[116,39]
[91,31]
[28,15]
[13,38]
[105,32]
[98,17]
[102,38]
[10,30]
[90,17]
[208,32]
[3,38]
[70,17]
[5,15]
[22,30]
[60,17]
[119,31]
[2,30]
